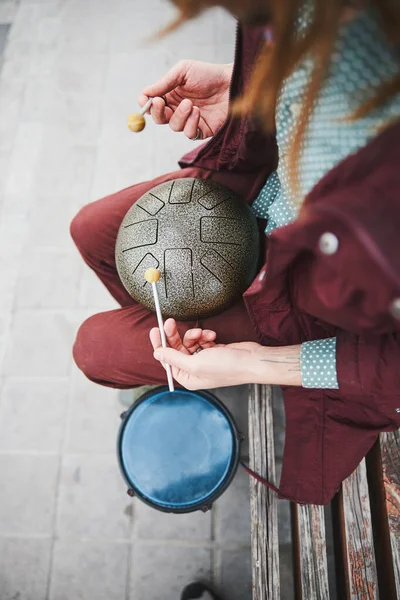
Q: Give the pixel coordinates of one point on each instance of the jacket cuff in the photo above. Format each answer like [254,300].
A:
[318,364]
[347,364]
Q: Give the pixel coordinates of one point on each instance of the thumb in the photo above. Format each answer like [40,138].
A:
[169,81]
[173,357]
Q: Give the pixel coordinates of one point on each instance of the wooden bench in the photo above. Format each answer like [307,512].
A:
[365,521]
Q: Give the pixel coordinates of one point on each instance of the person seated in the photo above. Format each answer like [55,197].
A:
[312,143]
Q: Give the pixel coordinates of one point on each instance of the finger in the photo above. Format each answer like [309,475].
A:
[207,339]
[191,339]
[142,101]
[170,327]
[199,337]
[174,358]
[209,334]
[159,112]
[191,128]
[172,334]
[155,338]
[181,115]
[169,81]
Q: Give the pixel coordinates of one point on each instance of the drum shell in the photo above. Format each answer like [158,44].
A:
[205,505]
[201,236]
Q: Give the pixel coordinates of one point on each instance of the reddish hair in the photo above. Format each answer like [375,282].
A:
[276,61]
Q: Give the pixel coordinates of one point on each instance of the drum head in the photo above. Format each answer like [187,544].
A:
[178,451]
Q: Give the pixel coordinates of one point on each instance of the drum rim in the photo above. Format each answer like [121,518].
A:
[237,438]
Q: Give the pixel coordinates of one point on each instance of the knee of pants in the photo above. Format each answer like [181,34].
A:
[81,230]
[93,233]
[87,350]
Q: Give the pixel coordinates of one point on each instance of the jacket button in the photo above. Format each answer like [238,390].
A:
[328,243]
[397,410]
[395,309]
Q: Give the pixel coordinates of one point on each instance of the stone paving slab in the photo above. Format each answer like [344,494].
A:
[28,488]
[163,571]
[235,583]
[4,29]
[89,570]
[154,525]
[24,568]
[32,415]
[91,501]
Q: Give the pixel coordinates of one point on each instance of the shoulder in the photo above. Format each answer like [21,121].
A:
[345,246]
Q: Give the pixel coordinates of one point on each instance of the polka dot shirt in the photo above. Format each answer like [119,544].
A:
[318,364]
[362,59]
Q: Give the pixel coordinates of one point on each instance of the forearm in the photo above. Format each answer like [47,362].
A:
[277,366]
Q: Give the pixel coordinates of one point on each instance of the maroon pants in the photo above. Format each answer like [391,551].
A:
[113,348]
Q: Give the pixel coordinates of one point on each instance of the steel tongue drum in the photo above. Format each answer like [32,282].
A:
[201,236]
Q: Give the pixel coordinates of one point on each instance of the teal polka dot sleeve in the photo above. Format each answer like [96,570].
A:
[362,59]
[318,364]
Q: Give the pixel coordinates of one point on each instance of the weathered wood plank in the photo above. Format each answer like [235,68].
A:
[313,564]
[362,575]
[340,547]
[390,449]
[263,502]
[380,523]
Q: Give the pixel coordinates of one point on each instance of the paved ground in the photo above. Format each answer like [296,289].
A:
[71,72]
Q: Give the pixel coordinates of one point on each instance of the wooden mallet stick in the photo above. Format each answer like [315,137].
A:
[152,276]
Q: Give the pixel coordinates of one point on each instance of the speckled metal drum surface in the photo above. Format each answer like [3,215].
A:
[201,236]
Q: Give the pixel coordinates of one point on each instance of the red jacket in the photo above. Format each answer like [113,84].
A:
[306,294]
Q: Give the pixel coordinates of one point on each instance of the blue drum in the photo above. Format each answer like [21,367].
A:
[178,451]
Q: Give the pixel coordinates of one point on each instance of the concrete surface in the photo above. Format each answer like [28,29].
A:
[71,73]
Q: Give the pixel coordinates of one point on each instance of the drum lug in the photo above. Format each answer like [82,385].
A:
[206,508]
[123,415]
[130,492]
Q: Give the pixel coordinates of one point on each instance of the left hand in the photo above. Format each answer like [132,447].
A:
[192,96]
[217,365]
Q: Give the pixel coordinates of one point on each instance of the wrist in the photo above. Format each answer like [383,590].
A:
[277,366]
[228,70]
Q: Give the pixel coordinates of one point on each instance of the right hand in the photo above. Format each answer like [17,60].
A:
[218,365]
[192,340]
[192,95]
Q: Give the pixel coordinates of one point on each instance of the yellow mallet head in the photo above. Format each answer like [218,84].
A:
[136,122]
[152,275]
